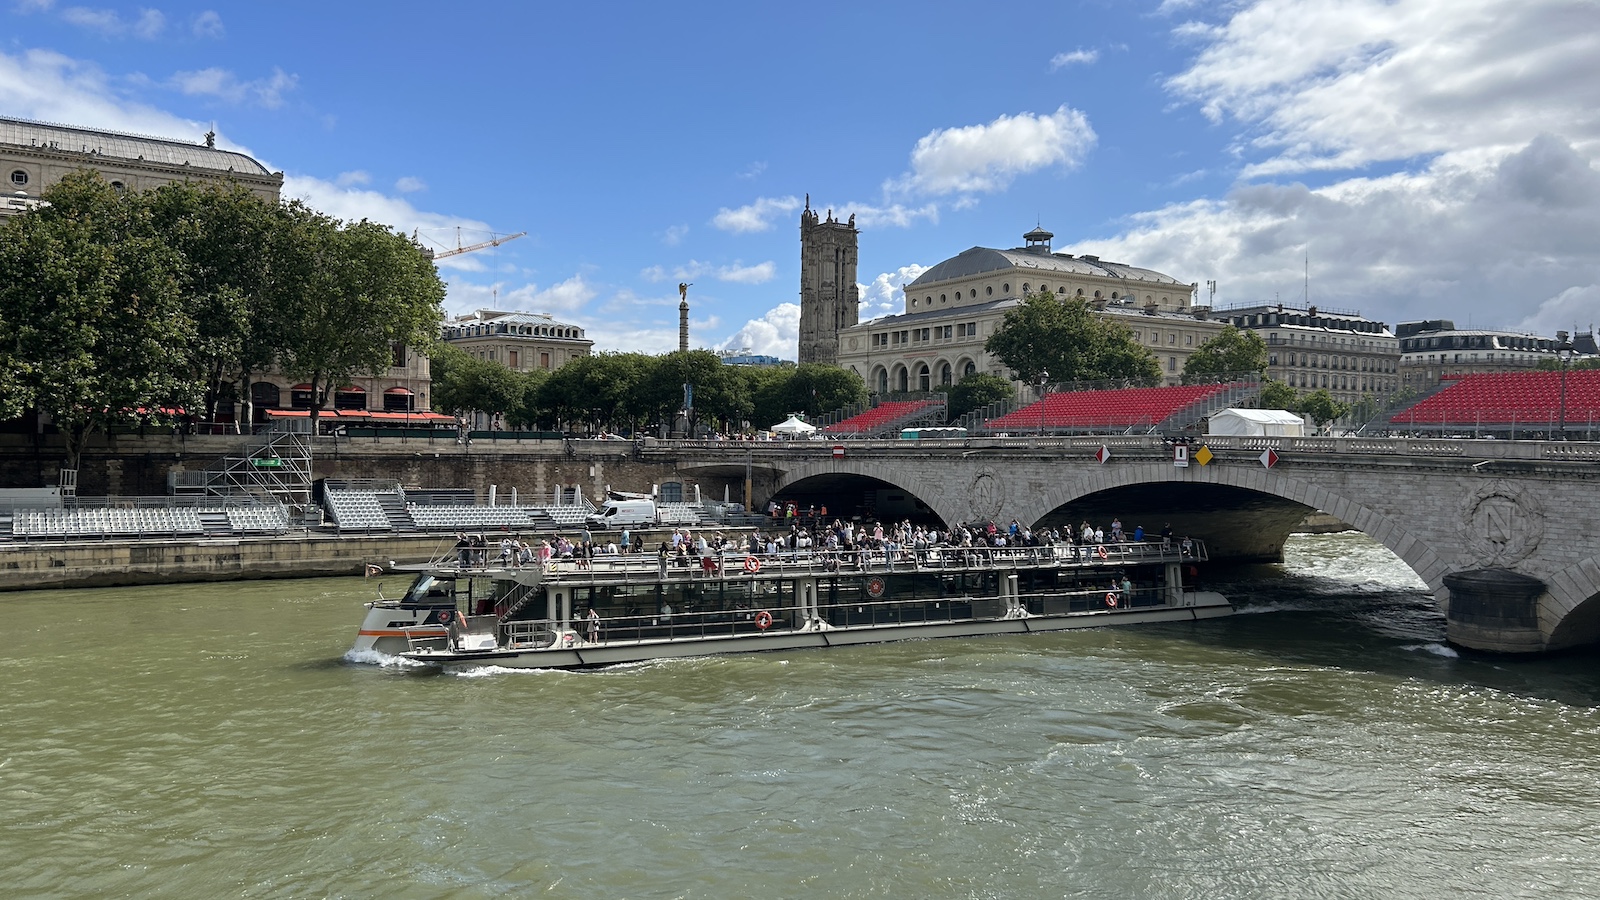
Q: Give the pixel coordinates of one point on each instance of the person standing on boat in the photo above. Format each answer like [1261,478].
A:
[626,537]
[1116,530]
[1138,534]
[1127,590]
[592,619]
[1166,537]
[662,553]
[463,550]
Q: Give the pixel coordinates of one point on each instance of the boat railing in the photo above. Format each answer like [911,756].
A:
[856,613]
[729,562]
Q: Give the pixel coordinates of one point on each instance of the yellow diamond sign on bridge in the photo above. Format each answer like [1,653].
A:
[1203,455]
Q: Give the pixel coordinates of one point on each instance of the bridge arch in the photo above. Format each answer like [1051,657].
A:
[1392,534]
[891,472]
[1572,603]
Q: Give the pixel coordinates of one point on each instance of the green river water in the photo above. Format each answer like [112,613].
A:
[213,741]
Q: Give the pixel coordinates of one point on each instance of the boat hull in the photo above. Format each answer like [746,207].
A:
[580,654]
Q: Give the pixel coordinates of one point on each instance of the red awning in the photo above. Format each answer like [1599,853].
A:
[301,387]
[398,390]
[323,414]
[352,389]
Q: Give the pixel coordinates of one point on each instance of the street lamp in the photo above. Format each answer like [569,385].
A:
[1044,382]
[1564,351]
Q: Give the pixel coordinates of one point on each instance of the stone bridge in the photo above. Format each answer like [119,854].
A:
[1502,532]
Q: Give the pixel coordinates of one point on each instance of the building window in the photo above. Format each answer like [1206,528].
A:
[19,178]
[1172,364]
[988,290]
[672,492]
[1188,340]
[1005,288]
[397,355]
[119,187]
[513,359]
[544,360]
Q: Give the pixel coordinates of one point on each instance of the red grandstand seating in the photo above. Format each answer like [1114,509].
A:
[1126,408]
[1504,398]
[879,418]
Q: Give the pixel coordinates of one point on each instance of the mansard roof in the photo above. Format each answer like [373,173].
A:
[130,147]
[980,260]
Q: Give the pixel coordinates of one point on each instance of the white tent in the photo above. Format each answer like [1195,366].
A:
[792,426]
[1257,423]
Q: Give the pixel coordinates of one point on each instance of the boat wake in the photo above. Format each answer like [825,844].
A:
[377,658]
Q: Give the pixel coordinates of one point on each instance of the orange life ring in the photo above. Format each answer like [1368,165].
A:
[1100,551]
[763,620]
[569,639]
[1111,599]
[752,565]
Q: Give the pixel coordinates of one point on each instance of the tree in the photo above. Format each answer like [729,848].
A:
[348,295]
[1277,395]
[93,312]
[463,383]
[219,232]
[976,391]
[1321,407]
[1232,352]
[1063,336]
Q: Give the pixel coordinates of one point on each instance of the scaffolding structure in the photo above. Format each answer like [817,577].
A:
[275,467]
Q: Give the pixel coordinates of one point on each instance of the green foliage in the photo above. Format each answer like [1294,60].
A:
[1231,352]
[1321,407]
[113,303]
[1277,395]
[974,391]
[97,324]
[811,390]
[463,383]
[1062,336]
[1553,364]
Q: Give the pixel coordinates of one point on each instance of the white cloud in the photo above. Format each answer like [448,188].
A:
[760,273]
[756,216]
[1476,120]
[986,158]
[674,235]
[105,21]
[410,185]
[1340,84]
[32,6]
[47,86]
[1075,57]
[150,24]
[689,271]
[208,25]
[777,333]
[753,170]
[886,294]
[226,86]
[352,178]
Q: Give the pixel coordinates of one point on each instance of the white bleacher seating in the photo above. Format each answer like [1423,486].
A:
[356,510]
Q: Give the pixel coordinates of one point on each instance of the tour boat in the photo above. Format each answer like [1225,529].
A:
[611,609]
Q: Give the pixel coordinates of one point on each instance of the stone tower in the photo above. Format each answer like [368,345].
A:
[829,300]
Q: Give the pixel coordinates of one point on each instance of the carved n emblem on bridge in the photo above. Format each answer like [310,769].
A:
[986,496]
[1501,525]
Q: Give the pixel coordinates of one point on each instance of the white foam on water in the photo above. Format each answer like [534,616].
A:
[1436,649]
[375,658]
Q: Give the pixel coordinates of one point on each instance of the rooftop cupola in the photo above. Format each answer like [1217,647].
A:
[1038,241]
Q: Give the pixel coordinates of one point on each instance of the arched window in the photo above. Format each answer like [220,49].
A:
[902,379]
[923,379]
[971,368]
[944,374]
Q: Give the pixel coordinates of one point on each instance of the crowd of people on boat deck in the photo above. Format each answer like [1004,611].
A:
[685,547]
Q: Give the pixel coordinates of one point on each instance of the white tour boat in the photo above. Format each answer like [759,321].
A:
[634,607]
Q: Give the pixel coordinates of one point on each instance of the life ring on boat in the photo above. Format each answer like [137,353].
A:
[752,565]
[1111,599]
[444,618]
[763,620]
[1100,551]
[569,639]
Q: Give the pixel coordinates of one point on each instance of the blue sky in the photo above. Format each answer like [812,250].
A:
[1431,158]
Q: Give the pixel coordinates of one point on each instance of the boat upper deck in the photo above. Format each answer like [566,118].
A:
[650,567]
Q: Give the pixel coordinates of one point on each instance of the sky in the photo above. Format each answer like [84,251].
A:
[1404,159]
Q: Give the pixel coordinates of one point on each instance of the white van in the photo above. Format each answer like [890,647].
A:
[623,514]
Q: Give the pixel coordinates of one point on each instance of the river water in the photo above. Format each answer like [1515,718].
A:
[212,741]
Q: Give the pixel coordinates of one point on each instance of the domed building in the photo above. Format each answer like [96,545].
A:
[952,308]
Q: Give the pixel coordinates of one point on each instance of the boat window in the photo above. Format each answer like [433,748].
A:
[428,587]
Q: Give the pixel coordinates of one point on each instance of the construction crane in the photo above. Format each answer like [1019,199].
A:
[459,249]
